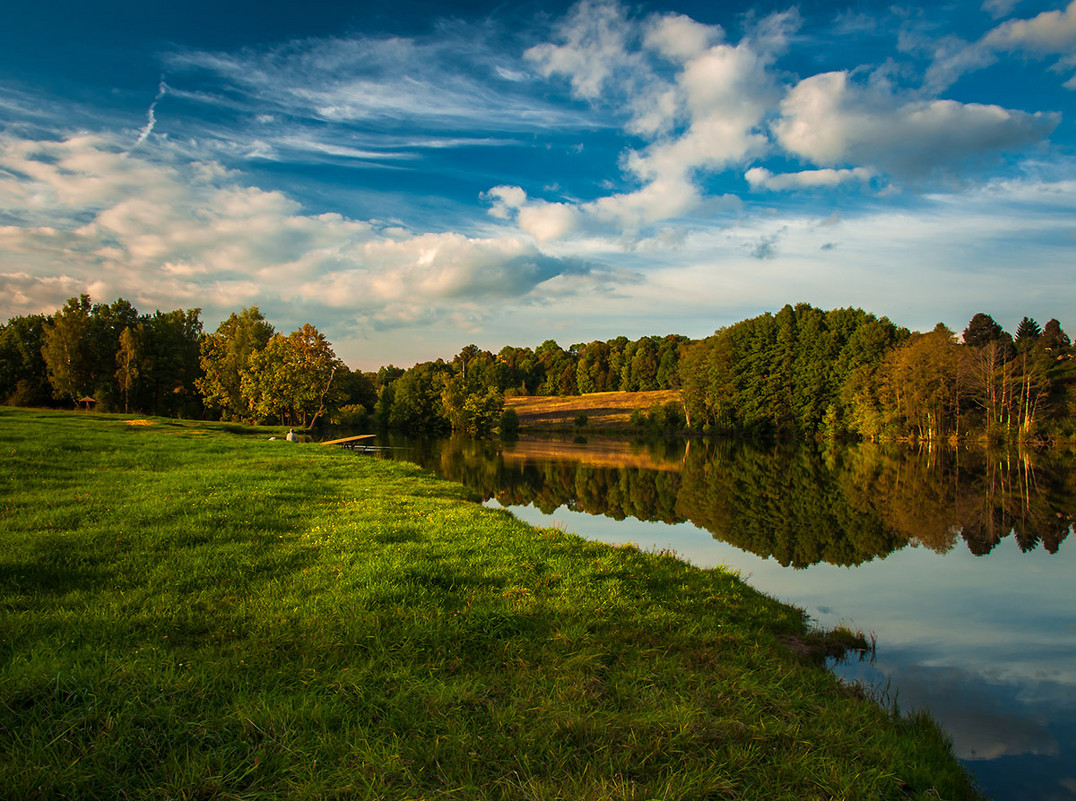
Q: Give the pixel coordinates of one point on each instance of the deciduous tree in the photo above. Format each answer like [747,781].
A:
[224,357]
[291,378]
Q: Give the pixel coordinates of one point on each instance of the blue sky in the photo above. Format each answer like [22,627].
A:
[416,176]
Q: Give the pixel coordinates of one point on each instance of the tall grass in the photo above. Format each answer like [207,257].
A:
[189,611]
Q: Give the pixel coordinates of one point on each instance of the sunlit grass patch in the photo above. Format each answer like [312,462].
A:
[187,611]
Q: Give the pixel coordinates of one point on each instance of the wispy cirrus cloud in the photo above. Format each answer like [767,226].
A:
[451,84]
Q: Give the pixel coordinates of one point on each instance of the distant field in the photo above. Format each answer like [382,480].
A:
[607,411]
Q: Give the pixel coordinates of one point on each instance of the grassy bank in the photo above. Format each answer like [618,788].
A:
[605,411]
[193,611]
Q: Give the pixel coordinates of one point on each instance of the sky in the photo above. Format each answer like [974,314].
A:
[414,177]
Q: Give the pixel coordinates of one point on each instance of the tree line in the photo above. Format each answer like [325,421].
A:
[800,372]
[165,364]
[846,373]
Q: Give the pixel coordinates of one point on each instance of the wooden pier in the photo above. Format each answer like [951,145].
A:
[349,441]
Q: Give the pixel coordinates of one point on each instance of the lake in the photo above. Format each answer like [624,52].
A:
[955,560]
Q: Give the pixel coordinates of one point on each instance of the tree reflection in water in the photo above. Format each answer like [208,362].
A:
[799,504]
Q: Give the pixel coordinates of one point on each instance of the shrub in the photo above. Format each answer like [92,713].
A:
[509,427]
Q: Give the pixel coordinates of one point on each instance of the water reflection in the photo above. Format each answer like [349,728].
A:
[797,504]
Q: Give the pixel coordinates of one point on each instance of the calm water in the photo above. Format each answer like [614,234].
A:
[956,561]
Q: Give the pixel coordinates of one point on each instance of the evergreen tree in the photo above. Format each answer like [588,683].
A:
[1027,333]
[982,330]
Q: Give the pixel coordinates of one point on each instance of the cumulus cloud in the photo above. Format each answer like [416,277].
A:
[761,178]
[831,120]
[680,38]
[597,47]
[163,233]
[541,219]
[1049,33]
[698,100]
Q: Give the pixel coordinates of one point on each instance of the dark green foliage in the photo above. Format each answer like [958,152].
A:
[509,425]
[1053,338]
[665,419]
[357,387]
[800,372]
[225,355]
[416,403]
[124,360]
[793,373]
[1027,332]
[982,330]
[23,374]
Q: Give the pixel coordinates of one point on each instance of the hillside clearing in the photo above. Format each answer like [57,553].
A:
[605,411]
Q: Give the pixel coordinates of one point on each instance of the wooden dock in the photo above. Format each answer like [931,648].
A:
[348,440]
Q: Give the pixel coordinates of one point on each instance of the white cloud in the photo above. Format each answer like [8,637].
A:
[191,234]
[698,100]
[1049,33]
[830,120]
[999,8]
[542,220]
[597,48]
[549,221]
[372,98]
[1001,248]
[680,38]
[505,200]
[661,198]
[761,178]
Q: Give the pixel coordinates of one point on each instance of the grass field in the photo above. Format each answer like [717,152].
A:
[605,411]
[191,611]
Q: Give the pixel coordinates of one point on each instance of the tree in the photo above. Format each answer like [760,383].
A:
[70,350]
[1053,338]
[416,403]
[291,378]
[982,330]
[128,359]
[921,385]
[224,357]
[357,387]
[1027,333]
[23,374]
[509,425]
[170,362]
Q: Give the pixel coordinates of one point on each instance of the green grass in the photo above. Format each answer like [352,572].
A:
[190,611]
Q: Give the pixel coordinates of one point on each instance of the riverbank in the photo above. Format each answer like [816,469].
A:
[192,610]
